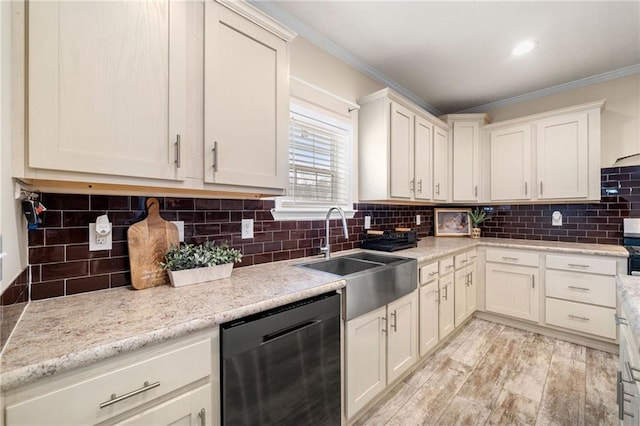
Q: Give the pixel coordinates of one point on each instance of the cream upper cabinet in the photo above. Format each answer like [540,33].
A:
[396,148]
[401,156]
[466,162]
[107,87]
[423,153]
[510,163]
[552,156]
[440,164]
[246,100]
[563,157]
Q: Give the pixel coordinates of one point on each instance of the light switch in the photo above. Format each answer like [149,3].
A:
[247,228]
[180,225]
[367,222]
[556,219]
[418,220]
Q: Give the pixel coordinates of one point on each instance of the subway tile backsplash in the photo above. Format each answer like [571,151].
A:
[61,263]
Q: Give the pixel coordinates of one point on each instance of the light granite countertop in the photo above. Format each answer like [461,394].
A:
[629,296]
[61,334]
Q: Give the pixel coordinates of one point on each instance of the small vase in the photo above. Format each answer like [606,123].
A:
[200,275]
[475,232]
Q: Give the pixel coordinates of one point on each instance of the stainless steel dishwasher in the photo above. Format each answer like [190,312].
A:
[282,366]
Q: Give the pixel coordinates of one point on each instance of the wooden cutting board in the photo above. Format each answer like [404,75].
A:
[149,240]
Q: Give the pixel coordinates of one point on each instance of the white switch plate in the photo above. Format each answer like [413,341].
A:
[97,244]
[418,221]
[367,222]
[556,218]
[247,228]
[180,225]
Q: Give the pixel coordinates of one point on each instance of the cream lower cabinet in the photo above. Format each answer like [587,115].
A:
[512,283]
[429,307]
[628,377]
[581,294]
[168,384]
[446,286]
[465,287]
[381,345]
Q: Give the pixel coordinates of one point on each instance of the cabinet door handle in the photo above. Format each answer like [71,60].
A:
[394,323]
[578,288]
[177,145]
[533,281]
[466,280]
[114,398]
[438,296]
[384,321]
[463,261]
[515,259]
[446,293]
[620,320]
[203,417]
[449,266]
[540,187]
[578,318]
[475,190]
[420,186]
[578,265]
[437,188]
[215,156]
[631,370]
[412,185]
[525,189]
[432,273]
[470,279]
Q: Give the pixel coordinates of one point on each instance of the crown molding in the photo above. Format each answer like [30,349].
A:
[599,78]
[324,43]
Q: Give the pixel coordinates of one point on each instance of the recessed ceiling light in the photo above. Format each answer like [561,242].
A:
[524,47]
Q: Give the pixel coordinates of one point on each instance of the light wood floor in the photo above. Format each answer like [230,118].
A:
[497,375]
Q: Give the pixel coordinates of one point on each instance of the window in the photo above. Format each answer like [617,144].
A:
[320,163]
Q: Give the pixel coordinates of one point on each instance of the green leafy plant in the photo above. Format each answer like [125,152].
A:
[477,216]
[190,256]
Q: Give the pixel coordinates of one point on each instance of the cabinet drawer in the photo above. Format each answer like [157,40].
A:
[580,317]
[428,273]
[461,260]
[172,370]
[446,266]
[585,288]
[512,257]
[582,264]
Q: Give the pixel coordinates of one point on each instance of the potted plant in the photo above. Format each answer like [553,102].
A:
[191,264]
[477,216]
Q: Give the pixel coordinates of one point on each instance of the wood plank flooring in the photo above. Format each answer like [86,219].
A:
[490,374]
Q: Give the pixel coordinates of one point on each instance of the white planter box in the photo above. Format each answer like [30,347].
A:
[200,275]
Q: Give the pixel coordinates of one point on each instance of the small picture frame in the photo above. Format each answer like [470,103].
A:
[452,222]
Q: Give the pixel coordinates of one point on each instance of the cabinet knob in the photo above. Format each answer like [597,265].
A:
[215,156]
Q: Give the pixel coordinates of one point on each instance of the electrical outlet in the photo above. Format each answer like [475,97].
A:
[367,222]
[180,225]
[418,221]
[98,243]
[247,228]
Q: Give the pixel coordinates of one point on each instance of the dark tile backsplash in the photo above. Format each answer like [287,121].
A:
[61,263]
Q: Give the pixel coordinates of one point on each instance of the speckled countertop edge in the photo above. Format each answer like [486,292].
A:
[628,287]
[197,307]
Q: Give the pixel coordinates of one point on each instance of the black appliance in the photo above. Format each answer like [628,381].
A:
[282,366]
[631,229]
[390,240]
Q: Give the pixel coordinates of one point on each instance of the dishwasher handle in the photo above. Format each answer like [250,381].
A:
[289,330]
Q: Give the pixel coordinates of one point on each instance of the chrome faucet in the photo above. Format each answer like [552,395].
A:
[326,249]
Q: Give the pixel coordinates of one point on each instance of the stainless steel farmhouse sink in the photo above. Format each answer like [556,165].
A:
[373,280]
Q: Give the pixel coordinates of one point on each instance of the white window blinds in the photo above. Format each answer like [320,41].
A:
[319,161]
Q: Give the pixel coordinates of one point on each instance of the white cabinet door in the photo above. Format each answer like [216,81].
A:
[447,297]
[440,164]
[563,157]
[472,290]
[466,160]
[246,102]
[402,343]
[423,158]
[460,306]
[428,317]
[512,290]
[510,163]
[366,358]
[192,408]
[401,152]
[107,87]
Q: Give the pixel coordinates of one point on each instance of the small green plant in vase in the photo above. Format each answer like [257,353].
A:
[477,216]
[196,263]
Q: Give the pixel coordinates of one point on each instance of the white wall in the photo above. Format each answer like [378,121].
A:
[620,119]
[12,226]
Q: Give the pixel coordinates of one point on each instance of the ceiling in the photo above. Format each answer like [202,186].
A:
[454,56]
